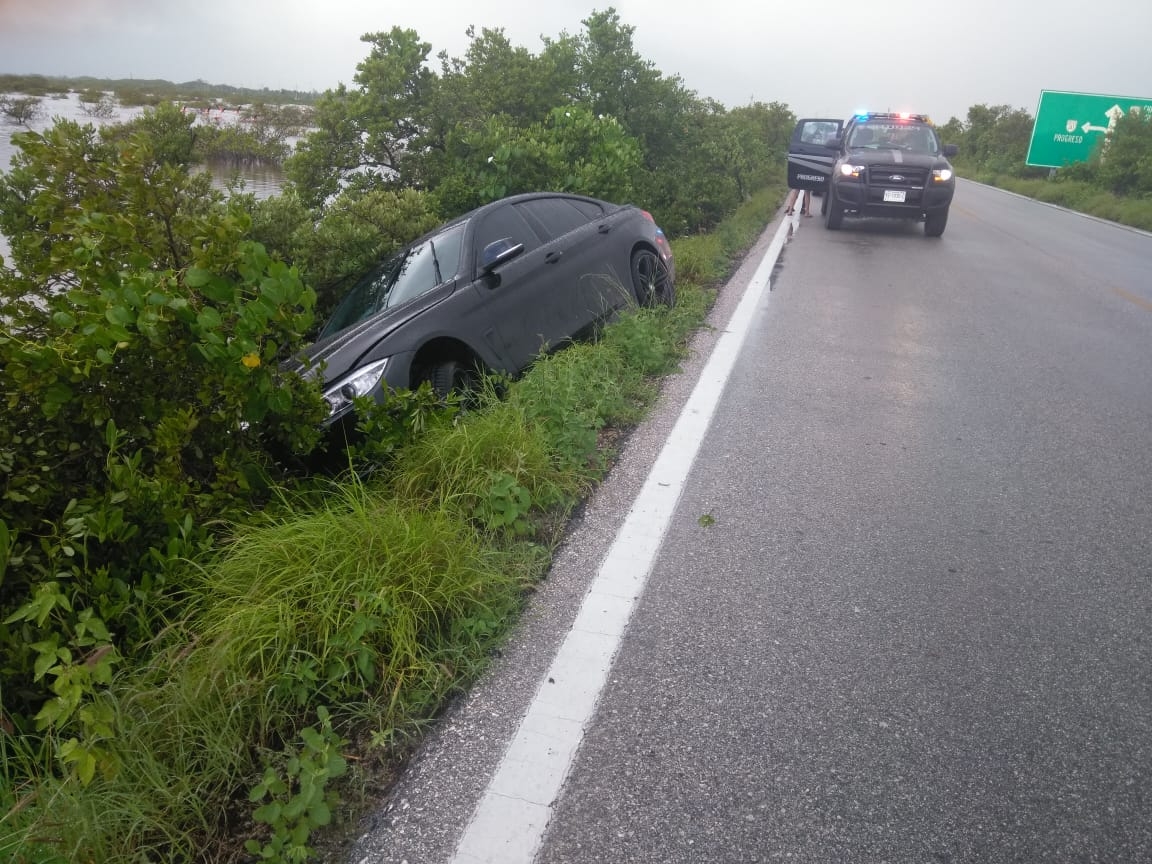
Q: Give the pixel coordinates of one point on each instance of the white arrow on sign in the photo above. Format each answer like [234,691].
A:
[1088,127]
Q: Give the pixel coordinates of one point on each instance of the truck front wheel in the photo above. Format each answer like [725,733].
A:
[833,211]
[935,222]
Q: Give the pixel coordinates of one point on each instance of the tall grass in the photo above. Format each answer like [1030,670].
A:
[454,469]
[370,603]
[376,600]
[370,592]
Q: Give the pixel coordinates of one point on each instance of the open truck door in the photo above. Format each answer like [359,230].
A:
[810,159]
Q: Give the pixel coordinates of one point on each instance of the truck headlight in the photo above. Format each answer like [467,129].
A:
[941,175]
[854,171]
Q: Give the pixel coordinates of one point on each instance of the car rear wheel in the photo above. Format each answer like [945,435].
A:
[833,212]
[934,223]
[651,280]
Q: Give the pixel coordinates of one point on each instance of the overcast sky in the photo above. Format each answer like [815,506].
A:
[820,57]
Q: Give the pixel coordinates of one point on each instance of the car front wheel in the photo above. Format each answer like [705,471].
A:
[651,280]
[452,376]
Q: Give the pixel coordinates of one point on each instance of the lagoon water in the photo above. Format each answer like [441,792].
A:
[261,180]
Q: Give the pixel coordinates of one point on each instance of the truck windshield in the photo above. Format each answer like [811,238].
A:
[893,136]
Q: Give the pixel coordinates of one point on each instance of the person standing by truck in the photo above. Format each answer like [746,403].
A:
[805,206]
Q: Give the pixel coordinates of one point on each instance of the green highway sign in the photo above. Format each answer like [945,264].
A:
[1070,125]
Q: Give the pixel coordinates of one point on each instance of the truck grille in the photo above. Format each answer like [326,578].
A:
[887,174]
[911,180]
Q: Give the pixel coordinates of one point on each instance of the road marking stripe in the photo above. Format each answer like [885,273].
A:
[509,822]
[1133,298]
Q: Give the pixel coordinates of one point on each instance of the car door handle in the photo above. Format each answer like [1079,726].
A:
[553,257]
[603,228]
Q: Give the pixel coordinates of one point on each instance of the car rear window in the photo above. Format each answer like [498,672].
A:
[590,209]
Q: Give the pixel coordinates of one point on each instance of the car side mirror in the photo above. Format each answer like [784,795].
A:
[835,142]
[499,252]
[949,150]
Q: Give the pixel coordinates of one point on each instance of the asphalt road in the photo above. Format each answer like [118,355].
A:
[902,610]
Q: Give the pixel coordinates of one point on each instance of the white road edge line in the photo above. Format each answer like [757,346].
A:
[508,824]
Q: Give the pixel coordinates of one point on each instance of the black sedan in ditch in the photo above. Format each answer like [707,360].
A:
[490,291]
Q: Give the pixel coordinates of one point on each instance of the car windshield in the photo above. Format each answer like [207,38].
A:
[893,136]
[404,276]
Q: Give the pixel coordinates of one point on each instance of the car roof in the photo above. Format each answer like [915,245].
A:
[608,206]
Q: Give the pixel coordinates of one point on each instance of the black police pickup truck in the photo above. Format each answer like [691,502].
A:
[890,165]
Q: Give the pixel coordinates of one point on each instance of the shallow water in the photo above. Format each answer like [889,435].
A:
[263,181]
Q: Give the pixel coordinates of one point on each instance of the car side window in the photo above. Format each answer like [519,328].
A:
[555,215]
[504,222]
[591,210]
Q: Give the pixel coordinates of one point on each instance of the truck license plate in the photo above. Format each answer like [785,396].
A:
[894,195]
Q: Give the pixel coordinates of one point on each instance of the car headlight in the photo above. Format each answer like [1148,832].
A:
[941,175]
[360,383]
[847,170]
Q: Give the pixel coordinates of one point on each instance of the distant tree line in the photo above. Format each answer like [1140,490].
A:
[994,139]
[256,131]
[139,91]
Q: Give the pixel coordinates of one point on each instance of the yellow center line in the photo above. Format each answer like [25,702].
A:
[1133,298]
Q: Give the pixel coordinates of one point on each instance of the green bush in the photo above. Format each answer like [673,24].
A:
[1124,162]
[342,239]
[139,367]
[572,151]
[21,110]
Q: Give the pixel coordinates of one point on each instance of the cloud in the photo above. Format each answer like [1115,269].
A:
[893,53]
